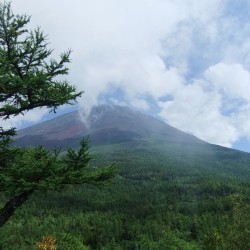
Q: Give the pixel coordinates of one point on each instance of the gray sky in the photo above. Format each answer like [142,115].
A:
[186,61]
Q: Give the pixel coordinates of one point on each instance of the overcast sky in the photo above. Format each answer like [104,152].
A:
[185,61]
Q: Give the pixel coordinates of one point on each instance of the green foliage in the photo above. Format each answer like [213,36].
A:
[154,203]
[28,76]
[29,80]
[165,197]
[39,169]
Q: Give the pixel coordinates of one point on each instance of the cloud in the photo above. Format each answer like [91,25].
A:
[189,58]
[28,118]
[215,108]
[231,79]
[197,111]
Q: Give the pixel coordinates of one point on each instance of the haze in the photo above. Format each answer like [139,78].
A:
[184,61]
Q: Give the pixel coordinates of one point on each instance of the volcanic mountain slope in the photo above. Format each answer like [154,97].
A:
[124,134]
[104,125]
[172,190]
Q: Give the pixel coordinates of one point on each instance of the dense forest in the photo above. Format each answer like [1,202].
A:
[165,196]
[169,191]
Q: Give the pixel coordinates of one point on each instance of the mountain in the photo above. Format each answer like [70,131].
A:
[172,190]
[123,133]
[104,125]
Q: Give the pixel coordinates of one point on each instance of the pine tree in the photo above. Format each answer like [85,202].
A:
[29,80]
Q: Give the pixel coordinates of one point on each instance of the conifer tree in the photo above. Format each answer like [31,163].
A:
[29,80]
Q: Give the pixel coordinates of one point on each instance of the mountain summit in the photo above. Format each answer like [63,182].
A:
[105,124]
[123,133]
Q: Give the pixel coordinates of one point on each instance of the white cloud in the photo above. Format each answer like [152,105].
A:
[232,79]
[194,52]
[30,117]
[198,112]
[216,108]
[140,104]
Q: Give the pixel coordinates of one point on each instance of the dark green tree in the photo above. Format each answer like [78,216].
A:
[29,79]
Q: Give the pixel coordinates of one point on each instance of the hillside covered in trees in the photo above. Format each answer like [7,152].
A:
[165,196]
[169,190]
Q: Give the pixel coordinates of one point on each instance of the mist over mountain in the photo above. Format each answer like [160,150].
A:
[105,124]
[171,191]
[119,130]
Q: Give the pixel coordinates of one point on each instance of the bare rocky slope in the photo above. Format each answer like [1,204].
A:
[105,124]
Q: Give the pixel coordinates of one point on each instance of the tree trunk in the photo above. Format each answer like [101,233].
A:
[10,207]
